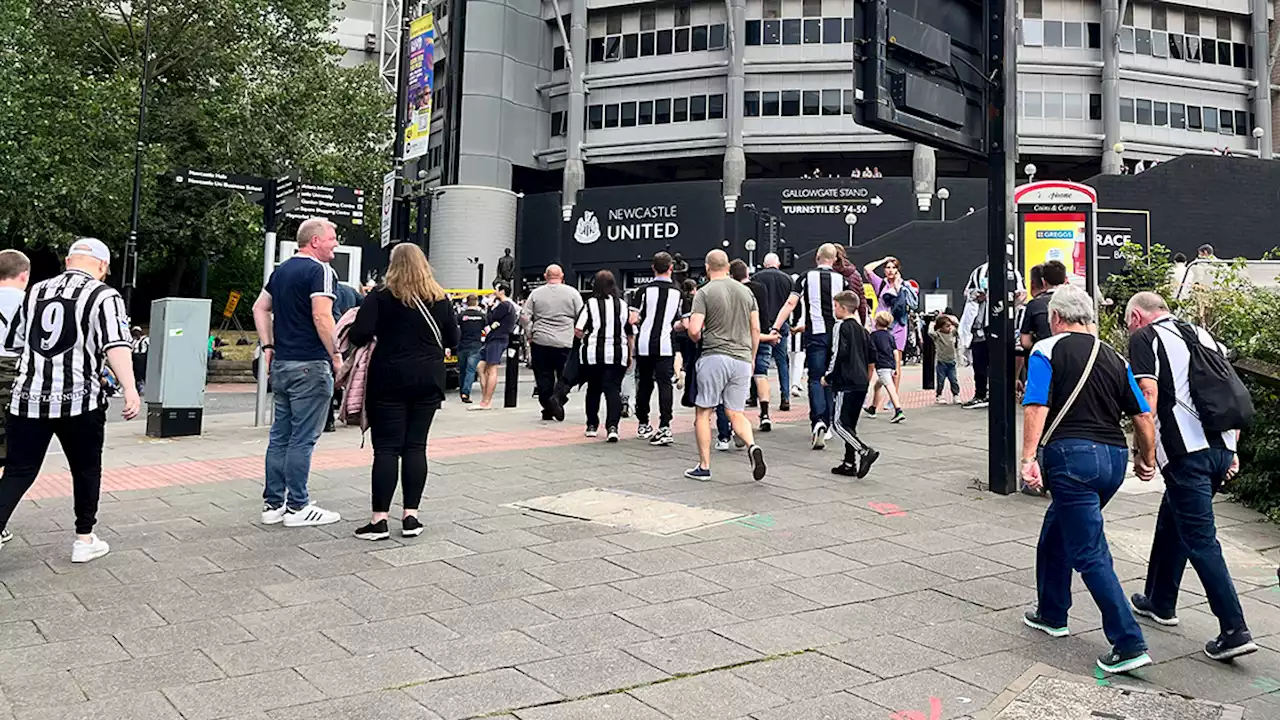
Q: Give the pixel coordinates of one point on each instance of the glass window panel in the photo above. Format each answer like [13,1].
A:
[1126,109]
[648,46]
[1177,116]
[830,102]
[597,50]
[700,38]
[1194,121]
[1177,46]
[1053,106]
[1142,41]
[1128,15]
[645,112]
[666,39]
[1240,55]
[812,102]
[1053,33]
[1073,106]
[1073,35]
[557,123]
[812,31]
[772,32]
[772,9]
[628,114]
[698,108]
[751,103]
[684,11]
[848,30]
[715,37]
[682,39]
[811,8]
[753,32]
[832,31]
[846,97]
[1095,106]
[1032,8]
[1143,108]
[1126,39]
[1191,23]
[1224,28]
[595,117]
[1032,105]
[631,45]
[1033,33]
[613,23]
[662,111]
[769,103]
[648,18]
[1159,17]
[1227,124]
[1094,31]
[680,109]
[790,103]
[1160,44]
[1242,123]
[557,57]
[791,32]
[1211,119]
[611,116]
[715,107]
[612,48]
[1160,114]
[1193,49]
[1208,50]
[1224,53]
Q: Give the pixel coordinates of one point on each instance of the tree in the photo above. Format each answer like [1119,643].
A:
[242,86]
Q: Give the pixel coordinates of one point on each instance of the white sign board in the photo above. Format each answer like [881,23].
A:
[388,203]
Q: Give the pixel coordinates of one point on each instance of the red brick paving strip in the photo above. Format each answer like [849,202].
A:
[196,472]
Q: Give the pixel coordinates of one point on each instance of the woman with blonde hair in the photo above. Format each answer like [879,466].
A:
[412,320]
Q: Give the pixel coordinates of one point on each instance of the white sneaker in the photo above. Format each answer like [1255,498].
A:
[83,552]
[272,516]
[827,435]
[723,445]
[312,514]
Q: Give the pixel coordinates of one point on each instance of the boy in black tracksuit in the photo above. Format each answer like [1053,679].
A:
[849,376]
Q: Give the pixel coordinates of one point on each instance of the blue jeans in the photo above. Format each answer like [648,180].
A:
[947,371]
[302,390]
[1185,530]
[468,361]
[777,353]
[817,352]
[1082,477]
[724,428]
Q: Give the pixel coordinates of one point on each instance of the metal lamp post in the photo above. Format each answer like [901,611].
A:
[1030,169]
[943,194]
[131,245]
[850,220]
[750,247]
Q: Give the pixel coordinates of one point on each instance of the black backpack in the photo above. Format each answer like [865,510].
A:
[1222,402]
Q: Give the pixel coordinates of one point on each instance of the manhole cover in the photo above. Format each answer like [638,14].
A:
[1045,693]
[629,510]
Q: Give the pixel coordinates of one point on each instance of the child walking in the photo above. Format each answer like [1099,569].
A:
[849,375]
[883,344]
[945,347]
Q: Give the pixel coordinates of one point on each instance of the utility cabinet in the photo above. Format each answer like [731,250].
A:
[177,366]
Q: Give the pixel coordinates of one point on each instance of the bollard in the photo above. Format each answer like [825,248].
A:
[928,354]
[511,389]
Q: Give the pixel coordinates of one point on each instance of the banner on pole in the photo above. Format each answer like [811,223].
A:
[388,205]
[421,79]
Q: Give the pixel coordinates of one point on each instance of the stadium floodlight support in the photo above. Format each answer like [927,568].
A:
[389,43]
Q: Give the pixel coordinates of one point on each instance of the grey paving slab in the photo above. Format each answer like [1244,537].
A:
[803,676]
[961,565]
[579,573]
[390,634]
[121,707]
[284,622]
[578,549]
[589,600]
[730,550]
[366,673]
[302,592]
[811,563]
[760,602]
[900,577]
[468,655]
[147,674]
[102,622]
[835,706]
[588,633]
[385,703]
[19,634]
[913,693]
[46,582]
[928,606]
[835,589]
[488,692]
[595,672]
[877,551]
[712,696]
[60,605]
[421,553]
[297,648]
[691,653]
[857,620]
[615,707]
[416,575]
[888,655]
[492,617]
[772,636]
[497,563]
[176,638]
[242,695]
[992,672]
[743,574]
[42,690]
[678,617]
[669,587]
[659,561]
[233,580]
[989,592]
[963,639]
[66,655]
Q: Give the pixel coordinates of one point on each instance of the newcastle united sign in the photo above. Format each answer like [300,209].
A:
[628,224]
[657,222]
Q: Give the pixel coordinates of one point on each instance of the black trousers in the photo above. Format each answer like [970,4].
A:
[548,365]
[981,367]
[606,379]
[81,437]
[848,406]
[399,428]
[651,370]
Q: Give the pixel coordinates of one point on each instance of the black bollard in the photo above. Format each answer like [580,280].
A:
[928,354]
[511,386]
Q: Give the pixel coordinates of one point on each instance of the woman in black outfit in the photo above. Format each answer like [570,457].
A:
[413,322]
[604,325]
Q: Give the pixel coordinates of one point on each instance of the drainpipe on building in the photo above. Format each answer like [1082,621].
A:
[735,158]
[1262,73]
[924,175]
[457,50]
[1110,86]
[575,174]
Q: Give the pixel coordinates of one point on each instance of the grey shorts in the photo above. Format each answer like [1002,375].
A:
[884,377]
[723,380]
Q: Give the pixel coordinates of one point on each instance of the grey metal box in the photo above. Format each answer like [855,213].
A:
[178,360]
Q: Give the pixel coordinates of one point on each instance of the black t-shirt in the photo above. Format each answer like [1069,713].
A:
[472,322]
[1035,318]
[1054,370]
[775,289]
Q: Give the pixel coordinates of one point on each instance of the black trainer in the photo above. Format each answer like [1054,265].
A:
[411,526]
[1228,646]
[784,406]
[846,469]
[1032,619]
[1142,606]
[864,464]
[766,423]
[374,531]
[756,456]
[1116,662]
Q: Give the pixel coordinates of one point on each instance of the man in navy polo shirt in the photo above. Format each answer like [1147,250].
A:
[294,318]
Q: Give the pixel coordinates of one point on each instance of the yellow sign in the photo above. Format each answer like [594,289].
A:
[232,301]
[1056,236]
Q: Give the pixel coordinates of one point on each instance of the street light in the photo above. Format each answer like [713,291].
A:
[850,220]
[1031,172]
[750,247]
[943,194]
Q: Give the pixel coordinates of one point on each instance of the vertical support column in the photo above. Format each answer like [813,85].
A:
[575,174]
[924,175]
[735,158]
[1001,432]
[1262,73]
[1110,86]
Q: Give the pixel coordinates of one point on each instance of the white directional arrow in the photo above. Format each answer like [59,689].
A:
[877,201]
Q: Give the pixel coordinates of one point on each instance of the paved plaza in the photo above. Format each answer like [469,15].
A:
[897,597]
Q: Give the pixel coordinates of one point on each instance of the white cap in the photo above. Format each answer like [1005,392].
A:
[93,247]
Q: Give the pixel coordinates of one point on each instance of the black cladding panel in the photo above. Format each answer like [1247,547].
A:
[918,96]
[925,41]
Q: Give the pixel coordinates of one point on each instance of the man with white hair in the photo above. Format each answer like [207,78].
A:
[774,289]
[294,319]
[549,315]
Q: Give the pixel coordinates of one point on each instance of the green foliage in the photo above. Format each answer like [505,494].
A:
[1143,270]
[240,86]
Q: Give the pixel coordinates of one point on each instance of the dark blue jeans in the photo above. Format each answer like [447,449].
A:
[817,352]
[1185,530]
[947,371]
[302,390]
[724,429]
[1082,476]
[468,361]
[776,354]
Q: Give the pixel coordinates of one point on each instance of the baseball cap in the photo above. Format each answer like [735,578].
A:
[93,247]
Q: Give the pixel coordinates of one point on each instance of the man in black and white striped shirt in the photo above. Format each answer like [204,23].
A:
[817,289]
[71,323]
[655,308]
